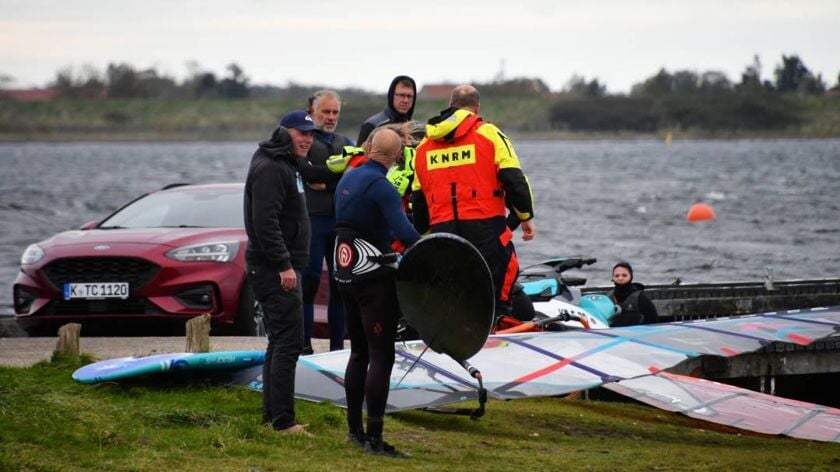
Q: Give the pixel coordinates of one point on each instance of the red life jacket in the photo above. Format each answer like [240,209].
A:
[459,176]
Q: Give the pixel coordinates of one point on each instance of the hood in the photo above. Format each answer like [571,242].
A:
[114,238]
[279,145]
[450,124]
[395,116]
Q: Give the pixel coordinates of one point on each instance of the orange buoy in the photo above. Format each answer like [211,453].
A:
[700,212]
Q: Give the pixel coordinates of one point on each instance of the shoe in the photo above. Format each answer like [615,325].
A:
[357,439]
[378,447]
[299,429]
[307,350]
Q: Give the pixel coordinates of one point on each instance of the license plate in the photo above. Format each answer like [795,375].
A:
[96,290]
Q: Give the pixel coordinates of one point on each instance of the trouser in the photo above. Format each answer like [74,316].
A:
[493,239]
[321,245]
[284,326]
[372,312]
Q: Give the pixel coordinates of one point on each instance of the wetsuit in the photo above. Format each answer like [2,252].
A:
[369,214]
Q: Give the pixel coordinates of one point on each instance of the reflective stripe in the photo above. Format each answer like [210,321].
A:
[510,276]
[506,237]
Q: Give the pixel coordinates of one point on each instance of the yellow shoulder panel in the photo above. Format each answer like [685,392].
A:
[505,154]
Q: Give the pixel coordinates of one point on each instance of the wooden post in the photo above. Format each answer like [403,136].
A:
[68,340]
[198,334]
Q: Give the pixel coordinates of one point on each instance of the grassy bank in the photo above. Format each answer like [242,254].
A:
[48,422]
[253,119]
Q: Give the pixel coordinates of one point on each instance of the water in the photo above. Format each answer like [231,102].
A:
[777,201]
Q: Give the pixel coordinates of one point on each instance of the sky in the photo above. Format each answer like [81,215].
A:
[366,43]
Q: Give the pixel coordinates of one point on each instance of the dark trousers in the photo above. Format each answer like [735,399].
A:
[493,240]
[284,326]
[321,245]
[372,312]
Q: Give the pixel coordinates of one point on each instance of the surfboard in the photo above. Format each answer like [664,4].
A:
[128,367]
[446,293]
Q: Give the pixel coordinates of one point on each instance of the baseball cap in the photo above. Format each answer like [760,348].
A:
[299,120]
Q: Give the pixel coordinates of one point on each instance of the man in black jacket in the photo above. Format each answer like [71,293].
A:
[277,225]
[402,95]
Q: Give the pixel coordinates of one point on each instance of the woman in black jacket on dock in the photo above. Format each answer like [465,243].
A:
[636,307]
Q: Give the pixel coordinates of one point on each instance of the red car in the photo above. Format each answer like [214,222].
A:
[169,255]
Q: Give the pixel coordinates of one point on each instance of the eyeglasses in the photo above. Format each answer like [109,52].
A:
[404,96]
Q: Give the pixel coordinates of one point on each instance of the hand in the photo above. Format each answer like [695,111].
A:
[320,186]
[528,230]
[288,280]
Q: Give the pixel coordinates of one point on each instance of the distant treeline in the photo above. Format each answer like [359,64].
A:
[111,101]
[688,100]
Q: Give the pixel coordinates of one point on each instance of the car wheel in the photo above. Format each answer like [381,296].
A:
[249,315]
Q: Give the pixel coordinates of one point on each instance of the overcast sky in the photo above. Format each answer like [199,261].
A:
[367,42]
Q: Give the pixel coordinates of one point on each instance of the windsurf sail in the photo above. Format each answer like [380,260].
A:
[556,363]
[733,406]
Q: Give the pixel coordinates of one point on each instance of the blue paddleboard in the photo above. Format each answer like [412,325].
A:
[127,367]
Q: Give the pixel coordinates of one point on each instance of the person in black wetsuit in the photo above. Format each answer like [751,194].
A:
[636,307]
[369,215]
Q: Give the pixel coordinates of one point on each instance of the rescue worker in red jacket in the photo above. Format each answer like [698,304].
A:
[466,175]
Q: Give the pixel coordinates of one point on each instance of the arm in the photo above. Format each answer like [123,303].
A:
[648,309]
[390,205]
[269,188]
[518,195]
[317,174]
[420,210]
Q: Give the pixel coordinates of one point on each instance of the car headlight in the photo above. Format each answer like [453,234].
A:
[217,252]
[32,254]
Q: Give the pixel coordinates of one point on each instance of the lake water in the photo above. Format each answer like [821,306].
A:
[777,201]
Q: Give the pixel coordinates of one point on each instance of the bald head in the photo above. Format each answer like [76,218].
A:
[465,96]
[385,147]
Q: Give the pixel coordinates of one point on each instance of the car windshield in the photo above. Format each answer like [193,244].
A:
[182,208]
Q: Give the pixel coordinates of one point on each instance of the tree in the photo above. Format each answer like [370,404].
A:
[656,86]
[85,84]
[235,86]
[577,85]
[793,77]
[714,83]
[122,81]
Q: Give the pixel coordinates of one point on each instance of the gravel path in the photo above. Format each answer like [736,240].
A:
[23,352]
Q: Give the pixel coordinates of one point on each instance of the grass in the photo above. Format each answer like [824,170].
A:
[48,422]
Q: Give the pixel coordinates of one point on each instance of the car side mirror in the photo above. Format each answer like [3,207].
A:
[89,225]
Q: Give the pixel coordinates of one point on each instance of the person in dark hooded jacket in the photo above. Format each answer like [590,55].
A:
[402,95]
[636,307]
[277,225]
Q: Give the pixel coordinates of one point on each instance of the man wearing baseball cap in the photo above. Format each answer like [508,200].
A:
[277,224]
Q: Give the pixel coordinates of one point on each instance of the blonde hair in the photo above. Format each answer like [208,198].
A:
[407,131]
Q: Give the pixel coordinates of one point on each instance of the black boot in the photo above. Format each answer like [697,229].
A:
[377,446]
